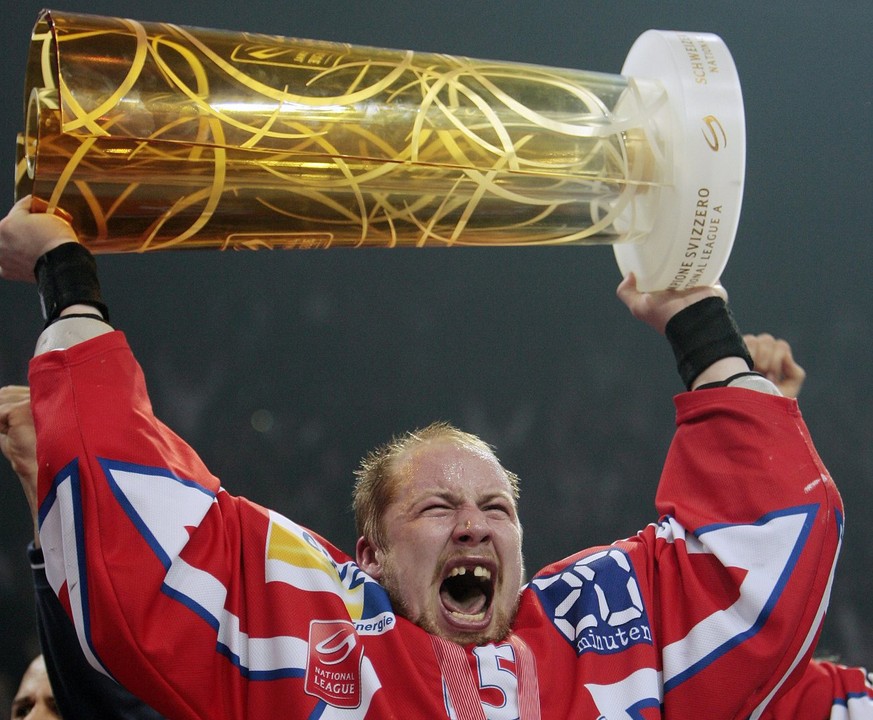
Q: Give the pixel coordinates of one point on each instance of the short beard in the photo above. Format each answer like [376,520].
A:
[500,626]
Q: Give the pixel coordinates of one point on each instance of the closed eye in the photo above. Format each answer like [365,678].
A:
[436,508]
[498,509]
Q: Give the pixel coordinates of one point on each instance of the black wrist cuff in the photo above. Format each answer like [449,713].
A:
[65,276]
[703,333]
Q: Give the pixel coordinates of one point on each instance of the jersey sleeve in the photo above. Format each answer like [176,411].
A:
[744,553]
[80,691]
[162,570]
[826,691]
[713,611]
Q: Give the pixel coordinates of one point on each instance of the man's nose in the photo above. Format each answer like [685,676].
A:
[39,712]
[471,526]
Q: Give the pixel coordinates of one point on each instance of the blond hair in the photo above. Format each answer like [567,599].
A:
[376,481]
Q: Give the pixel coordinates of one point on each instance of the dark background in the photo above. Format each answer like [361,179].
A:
[282,368]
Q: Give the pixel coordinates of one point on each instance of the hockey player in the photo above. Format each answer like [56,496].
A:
[207,605]
[826,689]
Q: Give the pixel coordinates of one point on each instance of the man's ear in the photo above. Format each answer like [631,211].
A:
[368,557]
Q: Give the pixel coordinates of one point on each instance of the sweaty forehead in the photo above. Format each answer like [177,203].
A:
[449,464]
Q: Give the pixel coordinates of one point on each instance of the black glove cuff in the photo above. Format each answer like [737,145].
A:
[703,333]
[65,276]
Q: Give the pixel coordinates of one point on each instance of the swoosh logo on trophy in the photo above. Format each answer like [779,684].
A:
[330,647]
[713,132]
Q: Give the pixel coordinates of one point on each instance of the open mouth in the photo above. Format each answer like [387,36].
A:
[467,591]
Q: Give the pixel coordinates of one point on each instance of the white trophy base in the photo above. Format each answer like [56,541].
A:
[702,127]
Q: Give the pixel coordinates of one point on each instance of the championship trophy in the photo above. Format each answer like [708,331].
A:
[156,136]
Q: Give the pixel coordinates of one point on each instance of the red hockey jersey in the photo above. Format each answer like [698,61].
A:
[207,605]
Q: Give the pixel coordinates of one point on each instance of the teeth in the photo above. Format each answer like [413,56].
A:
[478,571]
[477,616]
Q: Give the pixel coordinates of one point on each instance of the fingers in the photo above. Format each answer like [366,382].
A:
[627,290]
[768,354]
[639,303]
[26,234]
[32,204]
[14,409]
[23,205]
[657,307]
[17,434]
[14,393]
[38,205]
[773,358]
[18,441]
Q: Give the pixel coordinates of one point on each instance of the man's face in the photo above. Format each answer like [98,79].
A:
[35,699]
[453,562]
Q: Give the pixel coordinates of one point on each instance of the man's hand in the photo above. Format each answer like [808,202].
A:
[656,308]
[18,442]
[773,359]
[25,234]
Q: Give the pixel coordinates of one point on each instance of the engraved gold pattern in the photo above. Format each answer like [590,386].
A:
[155,136]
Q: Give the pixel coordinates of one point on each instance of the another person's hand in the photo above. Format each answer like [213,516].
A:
[774,360]
[25,234]
[656,308]
[18,441]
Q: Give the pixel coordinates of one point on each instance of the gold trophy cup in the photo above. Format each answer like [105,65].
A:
[155,136]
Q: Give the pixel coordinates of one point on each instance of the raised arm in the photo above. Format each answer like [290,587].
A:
[43,248]
[163,573]
[705,339]
[18,443]
[80,691]
[743,498]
